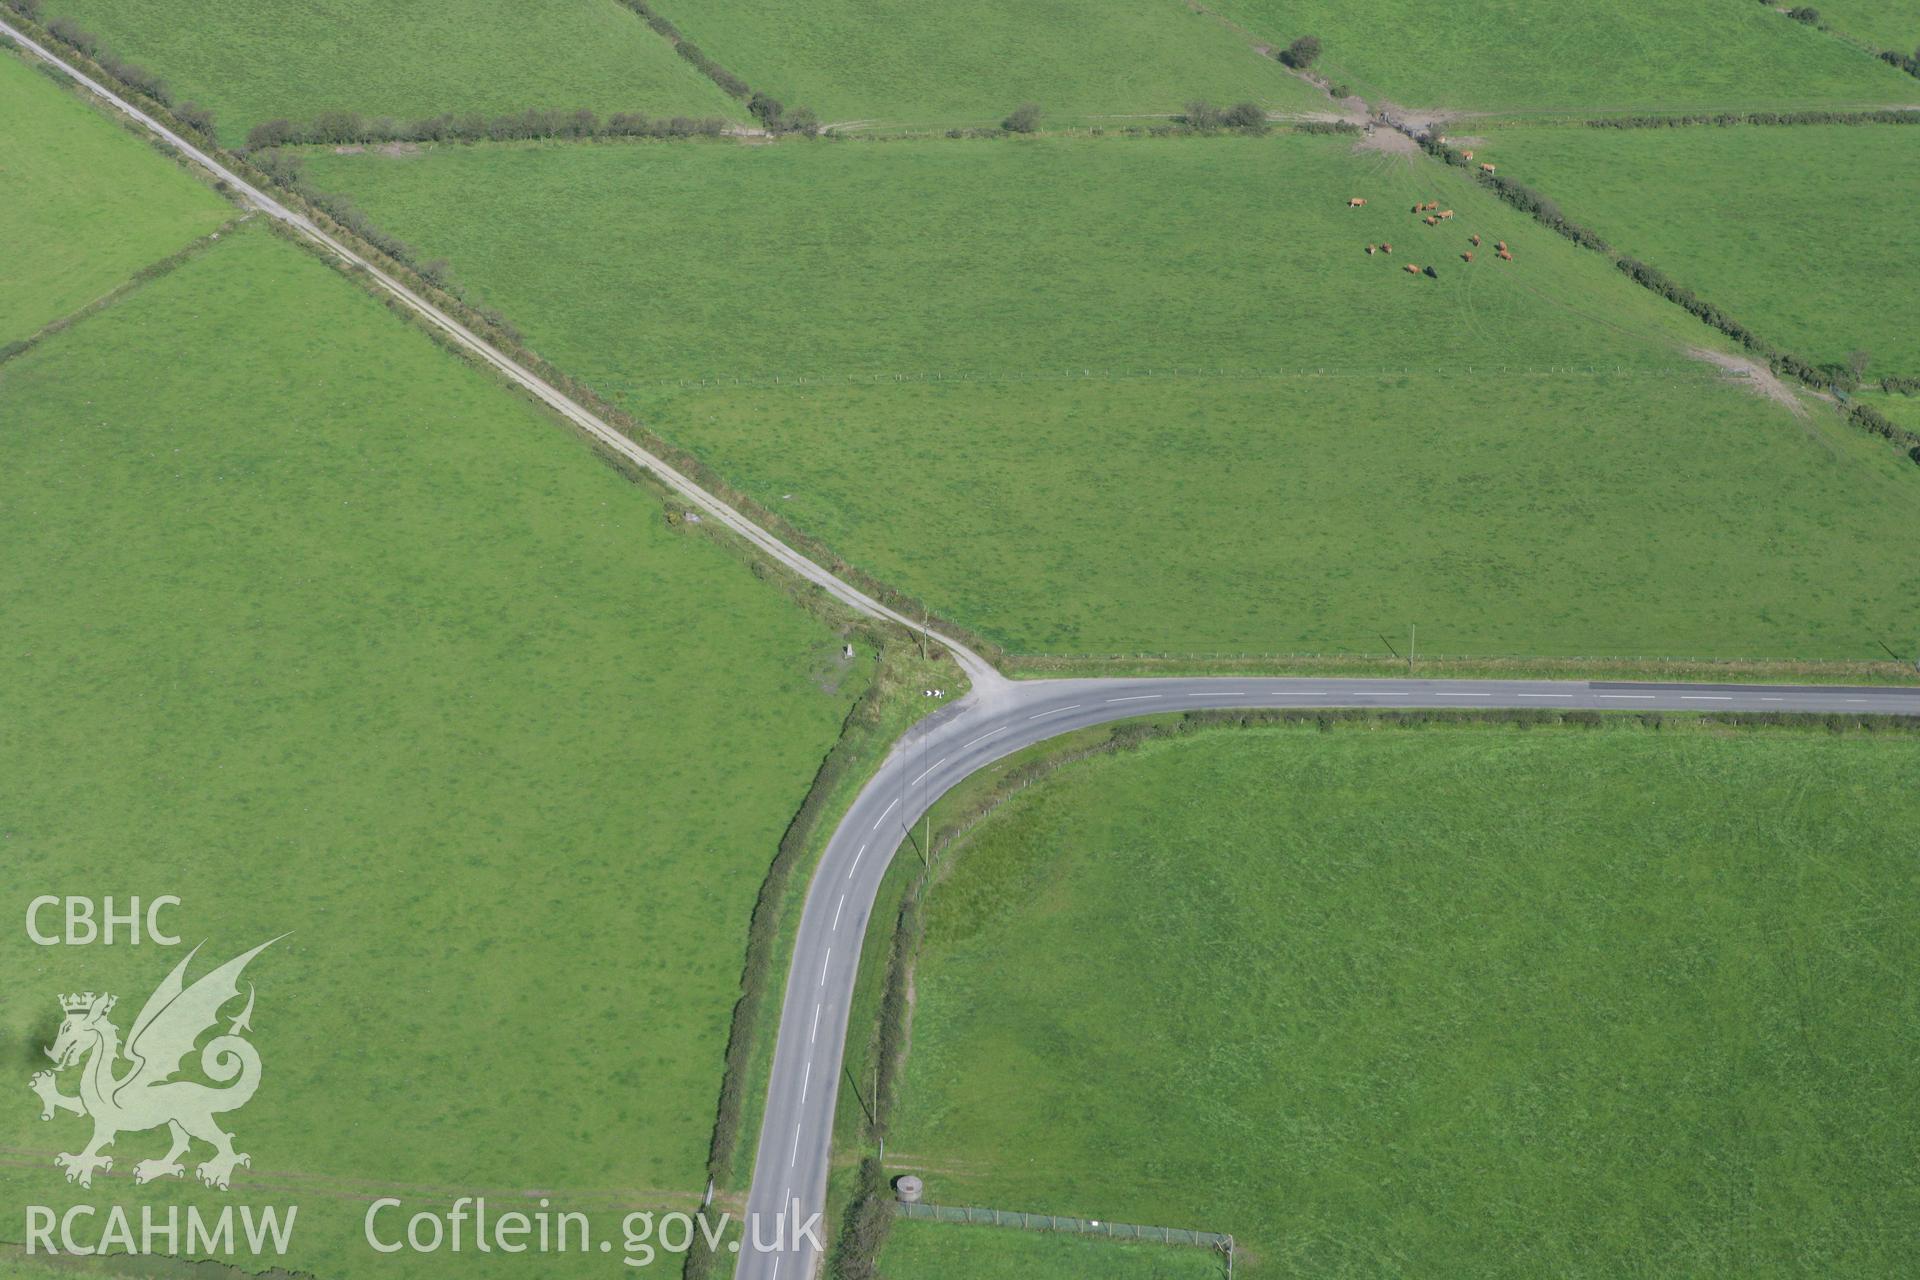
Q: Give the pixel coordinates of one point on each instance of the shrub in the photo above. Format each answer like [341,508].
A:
[1246,116]
[864,1231]
[195,117]
[1203,115]
[28,9]
[767,109]
[337,127]
[1301,53]
[1805,13]
[69,32]
[1025,118]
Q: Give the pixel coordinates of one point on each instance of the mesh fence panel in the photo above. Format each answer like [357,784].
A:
[1053,1222]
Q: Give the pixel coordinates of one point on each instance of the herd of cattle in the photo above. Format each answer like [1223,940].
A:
[1430,212]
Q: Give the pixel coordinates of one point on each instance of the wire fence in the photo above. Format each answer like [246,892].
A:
[1074,1226]
[1688,373]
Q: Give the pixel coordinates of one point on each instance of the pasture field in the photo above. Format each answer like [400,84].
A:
[1451,1000]
[948,1251]
[1752,218]
[1582,60]
[1884,24]
[252,63]
[1756,219]
[317,629]
[1094,396]
[970,63]
[86,203]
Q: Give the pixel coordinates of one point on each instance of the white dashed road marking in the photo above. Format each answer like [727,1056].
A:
[890,808]
[1056,711]
[983,737]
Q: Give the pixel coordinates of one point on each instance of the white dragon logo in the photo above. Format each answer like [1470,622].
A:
[147,1096]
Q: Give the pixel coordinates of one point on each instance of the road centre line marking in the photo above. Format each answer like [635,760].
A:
[1859,699]
[1706,697]
[823,966]
[836,913]
[1002,729]
[883,816]
[1056,711]
[1546,695]
[795,1157]
[1137,697]
[1463,695]
[1647,696]
[1769,699]
[930,768]
[856,859]
[816,1024]
[805,1081]
[1309,693]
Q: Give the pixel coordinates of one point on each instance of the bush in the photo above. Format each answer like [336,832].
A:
[1806,14]
[1025,119]
[1301,53]
[1203,115]
[273,133]
[766,109]
[1246,116]
[28,9]
[195,117]
[864,1231]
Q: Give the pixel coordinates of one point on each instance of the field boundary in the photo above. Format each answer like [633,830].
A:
[1545,211]
[131,285]
[1022,1221]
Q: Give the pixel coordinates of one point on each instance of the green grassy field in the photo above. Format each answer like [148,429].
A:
[902,62]
[945,1251]
[1755,220]
[1442,1001]
[1885,24]
[315,628]
[1100,396]
[1622,55]
[87,204]
[385,57]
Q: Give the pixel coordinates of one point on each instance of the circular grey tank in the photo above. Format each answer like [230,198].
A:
[908,1188]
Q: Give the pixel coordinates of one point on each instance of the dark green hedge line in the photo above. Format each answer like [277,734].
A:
[1729,119]
[767,109]
[336,128]
[129,76]
[1542,208]
[856,1251]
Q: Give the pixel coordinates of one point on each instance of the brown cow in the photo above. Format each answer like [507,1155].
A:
[1431,221]
[1502,246]
[1486,168]
[1355,202]
[1476,241]
[1505,256]
[1467,256]
[1412,269]
[1468,155]
[1369,251]
[1386,248]
[1445,214]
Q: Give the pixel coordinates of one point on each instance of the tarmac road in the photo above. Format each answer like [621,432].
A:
[790,1168]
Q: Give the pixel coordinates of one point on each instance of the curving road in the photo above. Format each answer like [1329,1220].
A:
[790,1167]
